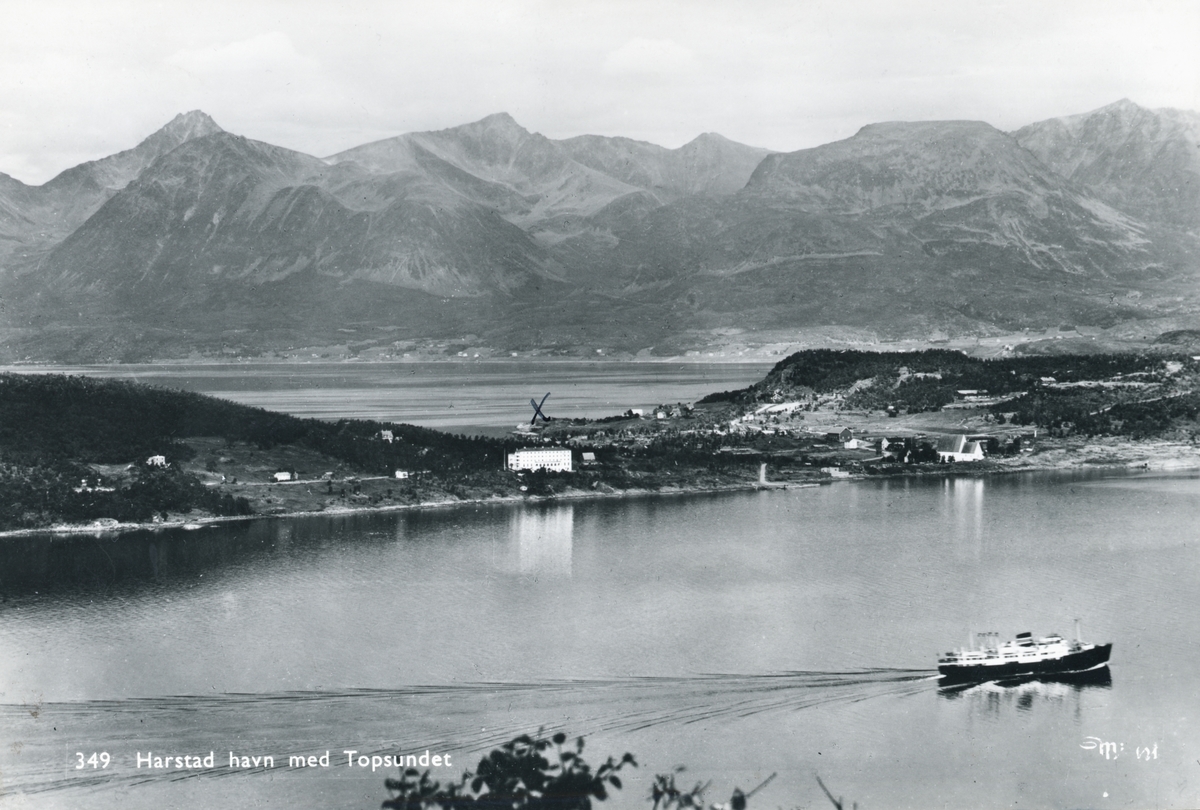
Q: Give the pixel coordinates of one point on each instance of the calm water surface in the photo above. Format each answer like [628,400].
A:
[789,631]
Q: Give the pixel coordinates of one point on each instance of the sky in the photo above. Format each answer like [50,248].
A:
[81,80]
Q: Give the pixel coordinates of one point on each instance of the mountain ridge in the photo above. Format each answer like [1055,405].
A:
[903,229]
[1135,159]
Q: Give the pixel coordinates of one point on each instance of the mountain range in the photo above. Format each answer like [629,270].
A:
[491,237]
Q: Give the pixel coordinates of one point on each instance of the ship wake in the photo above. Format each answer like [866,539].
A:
[467,719]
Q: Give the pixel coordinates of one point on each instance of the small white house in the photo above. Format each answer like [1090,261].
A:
[386,435]
[282,476]
[157,461]
[541,458]
[402,474]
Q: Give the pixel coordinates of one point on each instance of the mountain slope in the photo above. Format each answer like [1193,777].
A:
[707,165]
[525,177]
[33,217]
[945,188]
[1143,162]
[903,228]
[223,209]
[198,238]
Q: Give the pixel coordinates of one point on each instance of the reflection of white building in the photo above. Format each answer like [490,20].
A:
[542,541]
[549,458]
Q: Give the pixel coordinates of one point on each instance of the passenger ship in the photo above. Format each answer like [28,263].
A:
[1022,657]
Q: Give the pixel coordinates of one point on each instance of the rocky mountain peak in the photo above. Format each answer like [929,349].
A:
[710,137]
[913,131]
[497,128]
[192,124]
[930,163]
[500,119]
[180,129]
[715,143]
[1122,106]
[1141,161]
[116,171]
[899,229]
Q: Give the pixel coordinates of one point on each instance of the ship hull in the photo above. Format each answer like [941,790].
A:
[1081,661]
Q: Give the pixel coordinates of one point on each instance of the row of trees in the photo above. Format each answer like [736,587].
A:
[1096,413]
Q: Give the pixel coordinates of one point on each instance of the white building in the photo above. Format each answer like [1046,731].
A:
[386,435]
[957,448]
[283,476]
[157,461]
[538,458]
[402,474]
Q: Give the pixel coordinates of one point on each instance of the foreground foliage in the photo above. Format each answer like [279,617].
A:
[519,776]
[516,776]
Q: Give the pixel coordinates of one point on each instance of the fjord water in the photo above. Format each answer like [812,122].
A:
[739,634]
[471,396]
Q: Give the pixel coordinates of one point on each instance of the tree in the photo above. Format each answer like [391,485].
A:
[519,776]
[516,776]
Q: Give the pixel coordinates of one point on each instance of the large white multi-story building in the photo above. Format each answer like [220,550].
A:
[538,458]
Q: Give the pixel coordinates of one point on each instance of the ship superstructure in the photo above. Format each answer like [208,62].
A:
[989,659]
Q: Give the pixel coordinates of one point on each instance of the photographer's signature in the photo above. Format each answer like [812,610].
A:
[1110,749]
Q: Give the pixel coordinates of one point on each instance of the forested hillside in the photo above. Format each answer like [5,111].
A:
[56,430]
[1138,395]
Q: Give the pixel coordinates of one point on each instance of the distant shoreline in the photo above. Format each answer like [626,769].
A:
[1130,456]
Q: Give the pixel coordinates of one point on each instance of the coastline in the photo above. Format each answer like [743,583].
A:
[1113,453]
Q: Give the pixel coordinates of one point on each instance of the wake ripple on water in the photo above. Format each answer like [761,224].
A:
[466,719]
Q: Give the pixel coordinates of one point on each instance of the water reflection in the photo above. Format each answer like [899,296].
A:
[538,541]
[1023,694]
[541,541]
[813,583]
[98,564]
[962,506]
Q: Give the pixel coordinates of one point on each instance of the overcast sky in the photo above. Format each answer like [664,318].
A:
[81,80]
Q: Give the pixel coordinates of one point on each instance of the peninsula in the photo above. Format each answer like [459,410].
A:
[79,453]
